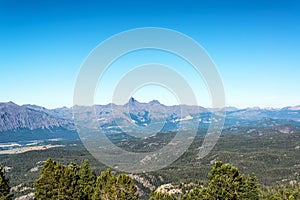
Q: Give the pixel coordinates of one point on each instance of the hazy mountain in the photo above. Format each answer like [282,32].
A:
[291,113]
[134,115]
[14,117]
[145,114]
[63,112]
[292,108]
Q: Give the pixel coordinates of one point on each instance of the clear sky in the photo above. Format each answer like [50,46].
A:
[255,45]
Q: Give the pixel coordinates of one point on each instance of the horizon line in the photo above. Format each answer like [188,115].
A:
[154,100]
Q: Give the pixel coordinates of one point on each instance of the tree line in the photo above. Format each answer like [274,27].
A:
[227,183]
[71,182]
[58,181]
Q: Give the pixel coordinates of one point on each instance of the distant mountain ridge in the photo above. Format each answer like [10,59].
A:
[32,117]
[14,117]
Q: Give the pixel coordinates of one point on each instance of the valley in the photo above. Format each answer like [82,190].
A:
[273,157]
[263,141]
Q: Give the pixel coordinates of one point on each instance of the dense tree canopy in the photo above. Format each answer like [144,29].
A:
[225,183]
[58,181]
[109,187]
[161,196]
[86,181]
[279,192]
[71,181]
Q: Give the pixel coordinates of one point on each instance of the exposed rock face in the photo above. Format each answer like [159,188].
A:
[287,129]
[169,188]
[15,117]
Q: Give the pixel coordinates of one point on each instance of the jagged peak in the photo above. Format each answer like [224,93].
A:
[132,100]
[10,103]
[154,102]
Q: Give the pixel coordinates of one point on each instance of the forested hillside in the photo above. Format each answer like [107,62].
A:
[72,181]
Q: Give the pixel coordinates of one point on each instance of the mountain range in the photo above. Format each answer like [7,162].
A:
[32,118]
[14,117]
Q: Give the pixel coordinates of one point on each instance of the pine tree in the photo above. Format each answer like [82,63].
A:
[61,181]
[108,187]
[57,181]
[4,186]
[198,194]
[46,186]
[68,177]
[251,188]
[161,196]
[278,192]
[105,186]
[225,181]
[126,188]
[86,181]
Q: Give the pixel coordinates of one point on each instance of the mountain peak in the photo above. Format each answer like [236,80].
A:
[132,101]
[154,102]
[29,117]
[9,104]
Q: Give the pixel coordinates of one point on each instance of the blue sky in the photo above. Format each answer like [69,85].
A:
[255,45]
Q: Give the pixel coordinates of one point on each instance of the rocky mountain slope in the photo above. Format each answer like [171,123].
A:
[134,113]
[14,117]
